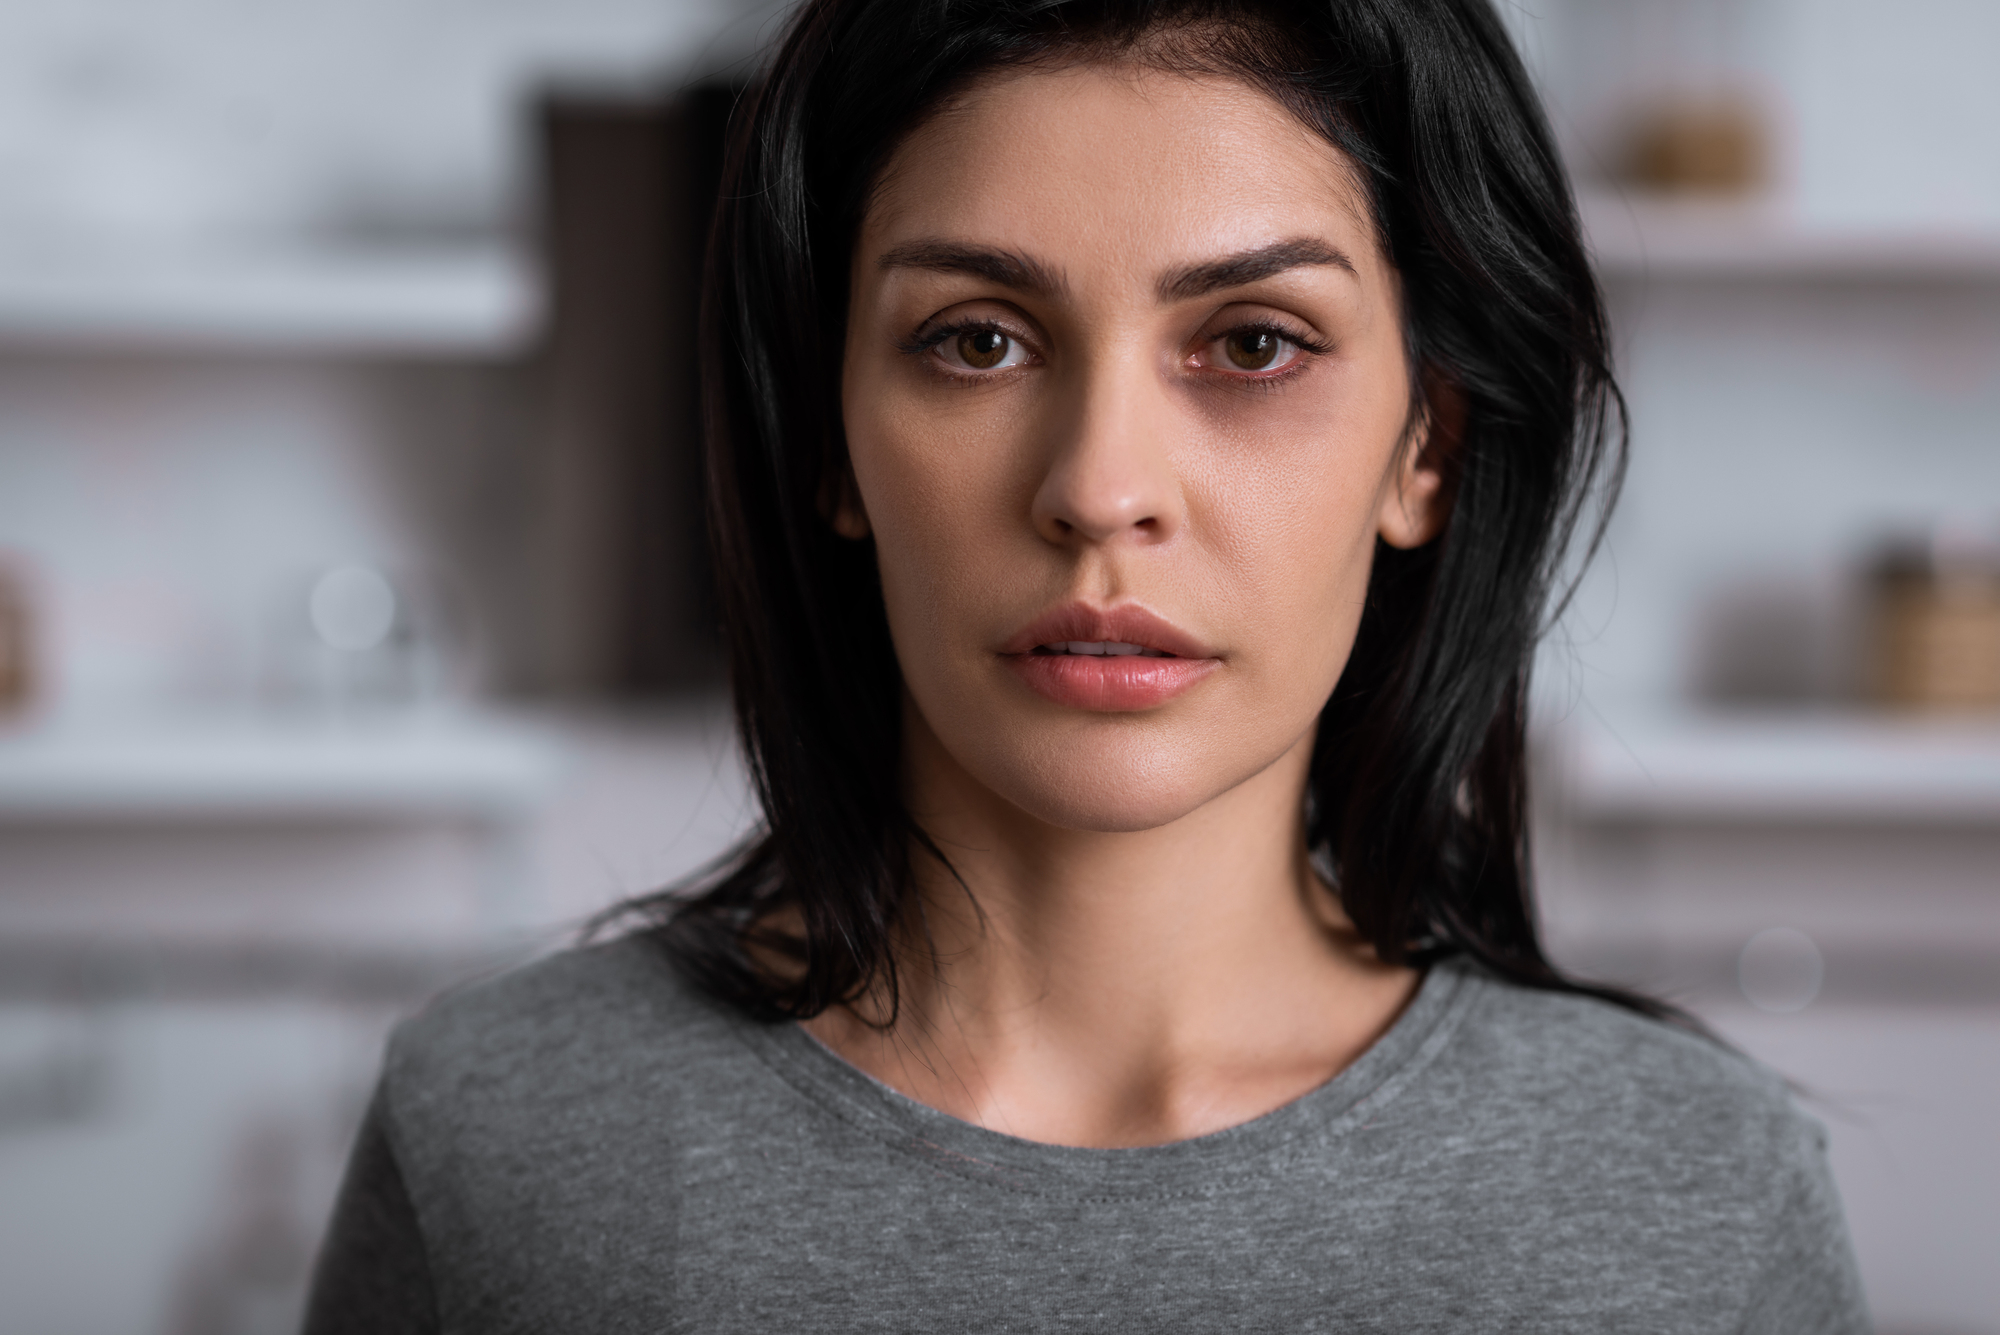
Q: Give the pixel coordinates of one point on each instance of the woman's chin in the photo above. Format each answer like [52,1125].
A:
[1108,812]
[1116,792]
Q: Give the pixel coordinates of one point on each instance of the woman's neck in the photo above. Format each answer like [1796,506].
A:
[1091,988]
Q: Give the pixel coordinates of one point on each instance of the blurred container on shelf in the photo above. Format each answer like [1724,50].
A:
[1670,98]
[17,640]
[1712,145]
[1935,624]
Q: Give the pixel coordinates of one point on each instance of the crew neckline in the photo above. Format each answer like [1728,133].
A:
[1181,1167]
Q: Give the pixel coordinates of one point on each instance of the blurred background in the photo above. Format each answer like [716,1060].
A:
[353,614]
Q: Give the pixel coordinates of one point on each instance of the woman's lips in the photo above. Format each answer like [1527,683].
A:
[1106,684]
[1108,660]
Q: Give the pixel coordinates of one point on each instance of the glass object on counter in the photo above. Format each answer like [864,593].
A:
[353,636]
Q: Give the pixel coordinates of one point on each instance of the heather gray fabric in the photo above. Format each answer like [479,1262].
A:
[588,1145]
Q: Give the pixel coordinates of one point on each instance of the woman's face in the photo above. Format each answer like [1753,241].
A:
[1125,395]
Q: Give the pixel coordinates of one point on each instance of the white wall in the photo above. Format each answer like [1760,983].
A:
[1894,109]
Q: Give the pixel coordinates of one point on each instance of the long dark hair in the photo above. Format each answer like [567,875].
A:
[1418,790]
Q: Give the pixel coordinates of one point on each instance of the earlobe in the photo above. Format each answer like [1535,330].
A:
[849,519]
[1418,500]
[840,502]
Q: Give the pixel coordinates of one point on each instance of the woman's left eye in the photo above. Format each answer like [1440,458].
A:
[1251,350]
[981,350]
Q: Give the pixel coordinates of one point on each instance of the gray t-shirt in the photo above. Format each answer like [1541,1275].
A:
[588,1144]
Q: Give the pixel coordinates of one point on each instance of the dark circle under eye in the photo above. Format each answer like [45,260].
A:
[982,348]
[1252,349]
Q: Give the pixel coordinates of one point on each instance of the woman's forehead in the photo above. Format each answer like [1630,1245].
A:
[1117,164]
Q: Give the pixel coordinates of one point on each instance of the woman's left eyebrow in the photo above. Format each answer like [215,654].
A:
[1250,266]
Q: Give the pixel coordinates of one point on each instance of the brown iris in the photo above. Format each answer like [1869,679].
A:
[982,348]
[1252,349]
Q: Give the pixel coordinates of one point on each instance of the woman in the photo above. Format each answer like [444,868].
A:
[1142,437]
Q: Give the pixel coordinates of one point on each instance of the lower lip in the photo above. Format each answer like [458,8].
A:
[1109,683]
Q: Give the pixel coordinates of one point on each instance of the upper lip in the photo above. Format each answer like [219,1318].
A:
[1127,623]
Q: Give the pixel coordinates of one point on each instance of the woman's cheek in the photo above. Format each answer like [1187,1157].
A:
[938,500]
[1295,534]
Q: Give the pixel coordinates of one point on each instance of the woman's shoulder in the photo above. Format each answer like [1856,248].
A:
[1608,1046]
[1621,1136]
[1642,1095]
[584,1023]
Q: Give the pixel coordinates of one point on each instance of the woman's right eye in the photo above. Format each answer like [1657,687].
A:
[981,350]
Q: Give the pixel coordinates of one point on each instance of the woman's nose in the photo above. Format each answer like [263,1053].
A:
[1111,476]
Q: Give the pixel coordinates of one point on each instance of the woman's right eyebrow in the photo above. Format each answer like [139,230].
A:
[1008,268]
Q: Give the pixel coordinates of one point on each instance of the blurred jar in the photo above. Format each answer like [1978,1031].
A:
[17,641]
[1936,622]
[1677,98]
[1715,146]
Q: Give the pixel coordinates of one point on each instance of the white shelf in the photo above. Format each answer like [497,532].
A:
[469,301]
[1751,768]
[392,768]
[1636,236]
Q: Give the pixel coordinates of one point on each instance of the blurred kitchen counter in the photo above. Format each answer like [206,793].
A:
[1814,767]
[1668,839]
[240,832]
[273,765]
[443,831]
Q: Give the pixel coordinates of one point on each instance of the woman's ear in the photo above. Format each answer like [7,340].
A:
[1418,498]
[840,503]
